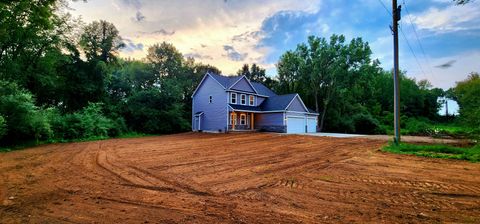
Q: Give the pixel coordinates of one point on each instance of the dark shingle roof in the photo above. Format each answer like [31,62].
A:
[278,102]
[244,107]
[263,90]
[225,81]
[272,103]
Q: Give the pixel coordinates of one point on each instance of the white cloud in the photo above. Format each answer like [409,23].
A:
[195,28]
[449,19]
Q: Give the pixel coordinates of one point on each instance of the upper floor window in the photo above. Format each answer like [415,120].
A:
[210,99]
[233,98]
[251,100]
[243,99]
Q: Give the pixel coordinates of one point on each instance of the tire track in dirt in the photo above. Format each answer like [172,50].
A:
[237,178]
[415,184]
[136,177]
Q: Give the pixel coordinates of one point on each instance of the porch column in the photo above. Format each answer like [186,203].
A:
[233,121]
[252,121]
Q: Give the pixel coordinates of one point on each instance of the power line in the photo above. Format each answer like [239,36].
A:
[405,37]
[418,39]
[385,7]
[413,52]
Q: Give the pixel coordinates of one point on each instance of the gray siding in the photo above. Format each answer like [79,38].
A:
[260,100]
[243,85]
[270,122]
[296,105]
[215,113]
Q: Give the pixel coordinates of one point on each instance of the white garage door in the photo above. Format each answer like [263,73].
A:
[295,125]
[311,125]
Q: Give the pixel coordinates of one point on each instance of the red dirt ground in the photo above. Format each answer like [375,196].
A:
[233,178]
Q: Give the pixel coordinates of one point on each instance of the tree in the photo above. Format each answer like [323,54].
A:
[288,68]
[254,73]
[332,76]
[101,41]
[166,60]
[467,94]
[3,127]
[245,70]
[257,74]
[22,120]
[157,110]
[33,36]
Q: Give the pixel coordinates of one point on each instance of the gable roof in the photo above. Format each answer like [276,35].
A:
[277,102]
[299,100]
[225,81]
[263,90]
[203,79]
[274,102]
[243,84]
[229,81]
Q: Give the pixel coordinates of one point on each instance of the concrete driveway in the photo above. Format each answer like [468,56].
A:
[335,135]
[405,138]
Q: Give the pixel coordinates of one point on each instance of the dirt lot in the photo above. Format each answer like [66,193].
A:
[233,178]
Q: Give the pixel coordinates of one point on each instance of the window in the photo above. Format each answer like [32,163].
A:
[251,100]
[233,98]
[210,99]
[243,119]
[233,119]
[243,99]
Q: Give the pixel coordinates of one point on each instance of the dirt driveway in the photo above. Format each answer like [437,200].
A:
[233,178]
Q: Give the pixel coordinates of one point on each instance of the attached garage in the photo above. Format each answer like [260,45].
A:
[311,124]
[295,124]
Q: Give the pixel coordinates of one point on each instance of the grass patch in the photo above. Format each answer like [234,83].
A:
[471,154]
[455,131]
[30,144]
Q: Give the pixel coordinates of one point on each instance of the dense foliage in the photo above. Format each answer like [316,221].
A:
[467,94]
[61,80]
[350,91]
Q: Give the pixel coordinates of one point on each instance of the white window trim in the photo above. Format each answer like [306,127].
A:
[231,98]
[243,118]
[251,102]
[233,119]
[210,99]
[241,99]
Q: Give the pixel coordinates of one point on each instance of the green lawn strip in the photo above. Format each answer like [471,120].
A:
[471,154]
[30,144]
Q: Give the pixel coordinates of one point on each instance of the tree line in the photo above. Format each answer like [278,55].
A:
[61,80]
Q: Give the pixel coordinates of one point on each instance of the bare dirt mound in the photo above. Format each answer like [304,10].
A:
[233,178]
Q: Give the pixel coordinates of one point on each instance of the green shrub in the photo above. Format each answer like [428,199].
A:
[366,124]
[155,111]
[3,127]
[415,126]
[22,120]
[88,123]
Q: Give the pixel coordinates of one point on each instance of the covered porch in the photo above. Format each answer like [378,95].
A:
[241,121]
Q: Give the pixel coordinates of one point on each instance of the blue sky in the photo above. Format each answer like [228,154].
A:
[229,33]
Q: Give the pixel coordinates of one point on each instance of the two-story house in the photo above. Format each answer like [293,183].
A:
[228,103]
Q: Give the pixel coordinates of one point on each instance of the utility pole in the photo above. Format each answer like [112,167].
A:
[396,82]
[446,107]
